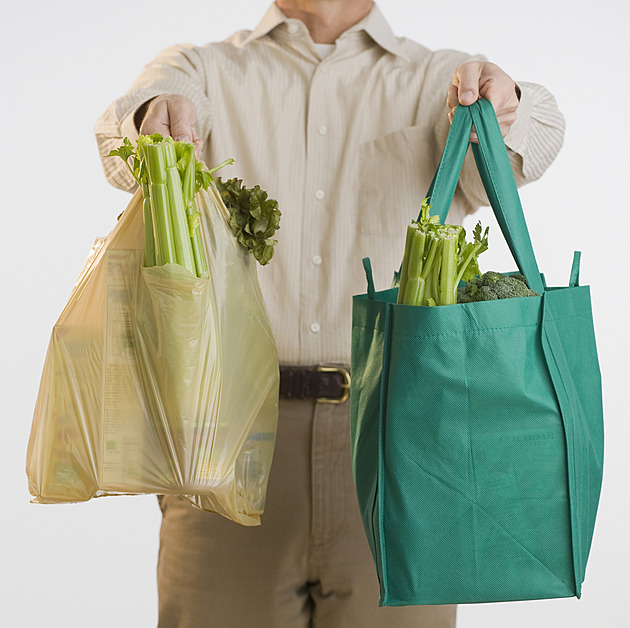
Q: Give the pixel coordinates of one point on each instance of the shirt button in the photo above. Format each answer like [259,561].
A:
[316,259]
[319,195]
[293,28]
[323,129]
[314,327]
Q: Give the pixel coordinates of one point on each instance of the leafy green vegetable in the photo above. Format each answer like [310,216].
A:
[170,176]
[492,285]
[254,218]
[436,258]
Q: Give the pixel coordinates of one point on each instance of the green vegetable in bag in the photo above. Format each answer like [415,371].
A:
[170,176]
[492,285]
[436,259]
[254,217]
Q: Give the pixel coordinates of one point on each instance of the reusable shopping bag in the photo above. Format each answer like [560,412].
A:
[157,381]
[477,429]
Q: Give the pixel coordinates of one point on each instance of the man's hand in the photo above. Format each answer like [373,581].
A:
[174,115]
[476,79]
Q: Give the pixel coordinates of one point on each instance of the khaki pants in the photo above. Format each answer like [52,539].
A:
[307,565]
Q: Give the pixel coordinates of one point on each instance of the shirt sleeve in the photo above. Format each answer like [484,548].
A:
[177,70]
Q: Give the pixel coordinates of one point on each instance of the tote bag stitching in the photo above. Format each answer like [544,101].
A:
[570,468]
[472,462]
[472,332]
[381,437]
[571,462]
[500,199]
[481,330]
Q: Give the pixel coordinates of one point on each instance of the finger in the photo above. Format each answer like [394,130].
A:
[198,149]
[182,118]
[156,119]
[506,121]
[466,79]
[498,88]
[198,144]
[452,99]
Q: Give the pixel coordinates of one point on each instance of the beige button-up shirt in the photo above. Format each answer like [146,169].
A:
[348,146]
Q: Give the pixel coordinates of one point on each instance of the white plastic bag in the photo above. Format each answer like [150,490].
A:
[157,381]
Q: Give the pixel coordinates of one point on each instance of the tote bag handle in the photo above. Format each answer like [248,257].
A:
[496,174]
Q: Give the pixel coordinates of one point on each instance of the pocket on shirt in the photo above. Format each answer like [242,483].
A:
[395,174]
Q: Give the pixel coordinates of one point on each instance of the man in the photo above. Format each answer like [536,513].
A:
[342,123]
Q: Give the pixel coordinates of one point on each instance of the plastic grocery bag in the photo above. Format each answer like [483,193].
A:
[157,381]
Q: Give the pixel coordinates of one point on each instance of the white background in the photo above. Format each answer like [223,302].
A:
[93,564]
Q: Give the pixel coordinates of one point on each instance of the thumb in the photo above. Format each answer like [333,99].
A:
[466,79]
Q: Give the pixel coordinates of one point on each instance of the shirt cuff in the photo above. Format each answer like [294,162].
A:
[128,125]
[128,122]
[515,137]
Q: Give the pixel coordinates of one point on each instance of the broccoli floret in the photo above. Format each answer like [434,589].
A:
[493,285]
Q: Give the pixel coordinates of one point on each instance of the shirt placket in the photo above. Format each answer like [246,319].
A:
[316,198]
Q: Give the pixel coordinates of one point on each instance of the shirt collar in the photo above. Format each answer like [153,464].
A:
[374,24]
[271,19]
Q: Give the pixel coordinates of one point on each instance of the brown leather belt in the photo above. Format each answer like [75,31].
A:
[326,384]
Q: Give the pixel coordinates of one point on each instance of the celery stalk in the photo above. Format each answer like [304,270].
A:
[149,242]
[411,230]
[188,190]
[164,246]
[436,258]
[414,292]
[413,289]
[154,157]
[170,177]
[448,270]
[433,292]
[179,221]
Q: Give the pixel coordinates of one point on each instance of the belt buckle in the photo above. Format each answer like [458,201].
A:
[346,383]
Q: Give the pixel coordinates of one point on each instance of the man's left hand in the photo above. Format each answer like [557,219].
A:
[478,79]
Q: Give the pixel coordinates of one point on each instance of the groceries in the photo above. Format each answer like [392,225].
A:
[161,377]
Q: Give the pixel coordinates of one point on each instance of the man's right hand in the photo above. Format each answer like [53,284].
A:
[174,115]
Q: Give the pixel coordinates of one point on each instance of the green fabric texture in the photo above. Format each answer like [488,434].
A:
[477,428]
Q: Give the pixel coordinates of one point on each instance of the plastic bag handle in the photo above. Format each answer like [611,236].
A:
[497,177]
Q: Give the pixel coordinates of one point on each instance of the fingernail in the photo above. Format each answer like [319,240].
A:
[183,138]
[465,97]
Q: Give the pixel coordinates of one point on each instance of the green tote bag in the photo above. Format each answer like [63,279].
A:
[477,428]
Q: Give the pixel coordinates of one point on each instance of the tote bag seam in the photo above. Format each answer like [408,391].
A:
[571,465]
[380,487]
[475,332]
[479,331]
